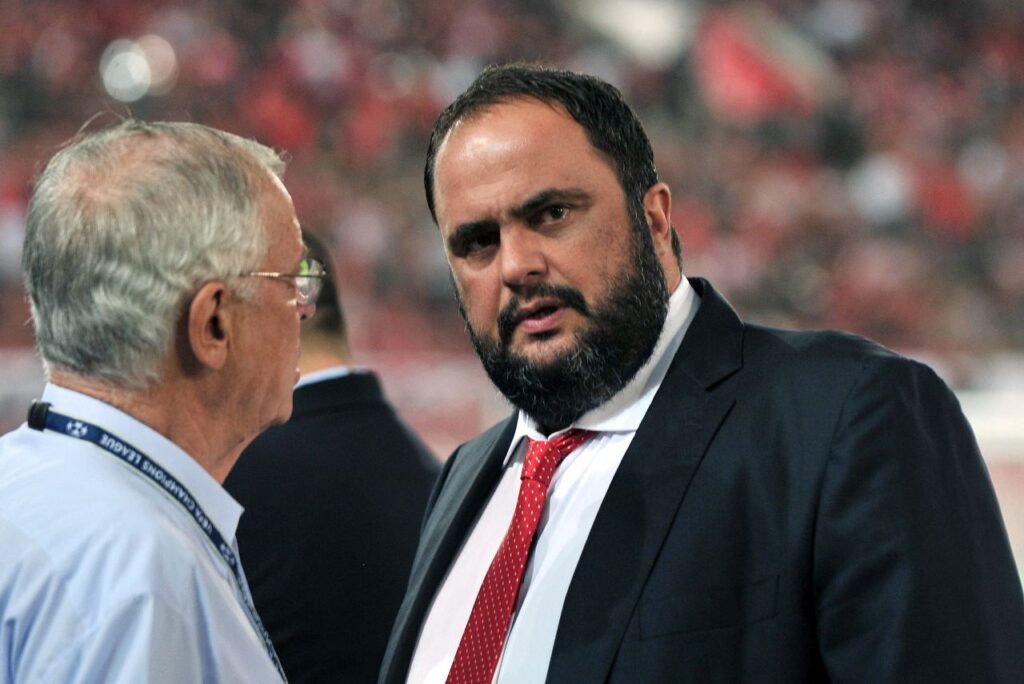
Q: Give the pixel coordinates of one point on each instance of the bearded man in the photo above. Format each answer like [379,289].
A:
[680,496]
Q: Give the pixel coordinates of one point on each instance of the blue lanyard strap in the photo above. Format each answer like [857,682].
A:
[42,417]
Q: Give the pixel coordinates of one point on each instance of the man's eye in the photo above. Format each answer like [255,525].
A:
[478,243]
[553,213]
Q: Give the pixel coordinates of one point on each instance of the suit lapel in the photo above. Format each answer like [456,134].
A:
[645,494]
[470,482]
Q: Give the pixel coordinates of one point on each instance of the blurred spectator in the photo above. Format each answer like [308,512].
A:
[791,131]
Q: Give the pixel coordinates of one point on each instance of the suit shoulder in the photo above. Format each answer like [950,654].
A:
[827,365]
[818,348]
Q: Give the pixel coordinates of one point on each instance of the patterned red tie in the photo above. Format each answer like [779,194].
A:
[481,644]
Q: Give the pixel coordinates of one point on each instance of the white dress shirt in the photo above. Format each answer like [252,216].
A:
[104,577]
[574,497]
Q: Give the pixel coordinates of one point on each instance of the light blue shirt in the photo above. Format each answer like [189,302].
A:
[104,577]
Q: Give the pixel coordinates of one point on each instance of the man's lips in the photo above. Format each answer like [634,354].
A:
[543,311]
[540,316]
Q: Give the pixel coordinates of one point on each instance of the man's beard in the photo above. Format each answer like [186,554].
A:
[620,336]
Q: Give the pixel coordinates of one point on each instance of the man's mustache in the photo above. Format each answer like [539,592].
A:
[509,317]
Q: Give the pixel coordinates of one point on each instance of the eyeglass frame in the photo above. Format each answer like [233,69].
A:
[306,293]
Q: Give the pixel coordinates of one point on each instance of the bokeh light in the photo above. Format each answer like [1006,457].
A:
[162,61]
[132,69]
[125,71]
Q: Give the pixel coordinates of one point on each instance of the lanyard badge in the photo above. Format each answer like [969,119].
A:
[41,417]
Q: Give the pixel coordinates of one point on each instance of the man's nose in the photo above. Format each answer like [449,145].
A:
[523,261]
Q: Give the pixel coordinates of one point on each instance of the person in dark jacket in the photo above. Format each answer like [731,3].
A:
[688,497]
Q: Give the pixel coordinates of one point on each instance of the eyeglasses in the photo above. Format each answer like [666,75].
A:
[308,280]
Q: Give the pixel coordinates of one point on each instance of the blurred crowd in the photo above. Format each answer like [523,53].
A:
[841,163]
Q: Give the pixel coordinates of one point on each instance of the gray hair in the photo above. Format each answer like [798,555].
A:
[123,226]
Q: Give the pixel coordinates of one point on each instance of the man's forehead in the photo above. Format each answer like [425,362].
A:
[505,154]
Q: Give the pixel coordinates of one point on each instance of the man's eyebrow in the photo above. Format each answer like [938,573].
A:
[466,231]
[547,196]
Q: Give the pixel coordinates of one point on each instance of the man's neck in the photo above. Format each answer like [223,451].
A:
[172,412]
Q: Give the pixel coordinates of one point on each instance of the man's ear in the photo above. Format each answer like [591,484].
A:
[209,325]
[658,213]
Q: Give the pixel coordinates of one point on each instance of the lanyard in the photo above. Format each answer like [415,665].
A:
[40,417]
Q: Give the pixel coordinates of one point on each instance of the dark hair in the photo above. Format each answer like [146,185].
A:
[329,319]
[607,119]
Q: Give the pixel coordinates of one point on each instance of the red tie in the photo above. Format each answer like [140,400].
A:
[481,644]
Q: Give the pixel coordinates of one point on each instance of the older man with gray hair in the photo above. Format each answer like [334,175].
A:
[167,278]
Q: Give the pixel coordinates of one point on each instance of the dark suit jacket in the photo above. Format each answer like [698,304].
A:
[795,507]
[334,500]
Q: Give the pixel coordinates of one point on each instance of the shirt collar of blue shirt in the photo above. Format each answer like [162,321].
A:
[223,511]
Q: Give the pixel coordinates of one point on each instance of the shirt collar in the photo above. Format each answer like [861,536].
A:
[222,510]
[624,411]
[324,374]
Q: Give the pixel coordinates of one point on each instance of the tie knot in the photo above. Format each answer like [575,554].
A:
[542,458]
